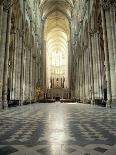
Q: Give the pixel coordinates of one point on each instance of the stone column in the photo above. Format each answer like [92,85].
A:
[30,64]
[24,73]
[19,57]
[85,69]
[109,90]
[30,76]
[89,73]
[27,73]
[43,56]
[77,77]
[2,46]
[6,60]
[95,65]
[83,57]
[113,26]
[96,74]
[80,77]
[91,68]
[35,81]
[69,62]
[1,15]
[79,74]
[22,84]
[98,52]
[34,73]
[86,73]
[14,67]
[111,46]
[44,65]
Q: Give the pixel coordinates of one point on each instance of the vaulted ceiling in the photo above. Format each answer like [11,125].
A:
[56,32]
[49,6]
[57,14]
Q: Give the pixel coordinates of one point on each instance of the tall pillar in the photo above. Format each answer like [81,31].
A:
[88,74]
[30,63]
[22,84]
[34,73]
[44,65]
[91,67]
[82,75]
[108,76]
[98,52]
[97,78]
[6,59]
[14,67]
[111,45]
[1,15]
[85,68]
[30,75]
[27,57]
[2,46]
[95,63]
[113,26]
[80,71]
[79,74]
[83,60]
[19,56]
[96,73]
[77,78]
[69,64]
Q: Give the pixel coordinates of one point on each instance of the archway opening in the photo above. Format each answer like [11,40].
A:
[56,35]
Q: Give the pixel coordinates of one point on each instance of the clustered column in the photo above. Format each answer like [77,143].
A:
[109,31]
[96,53]
[4,48]
[19,54]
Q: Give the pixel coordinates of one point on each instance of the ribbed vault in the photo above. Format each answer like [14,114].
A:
[49,6]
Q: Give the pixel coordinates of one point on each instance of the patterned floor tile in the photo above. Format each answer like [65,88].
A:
[100,149]
[44,151]
[60,128]
[69,150]
[7,150]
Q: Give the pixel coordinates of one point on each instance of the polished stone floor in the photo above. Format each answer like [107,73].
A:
[58,129]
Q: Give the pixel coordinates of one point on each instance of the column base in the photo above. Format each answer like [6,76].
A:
[1,107]
[114,101]
[21,103]
[13,103]
[5,104]
[100,101]
[111,103]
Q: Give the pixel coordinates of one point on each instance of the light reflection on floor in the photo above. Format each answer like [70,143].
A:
[58,129]
[73,103]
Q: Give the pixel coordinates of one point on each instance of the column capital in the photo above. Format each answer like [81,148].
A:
[107,3]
